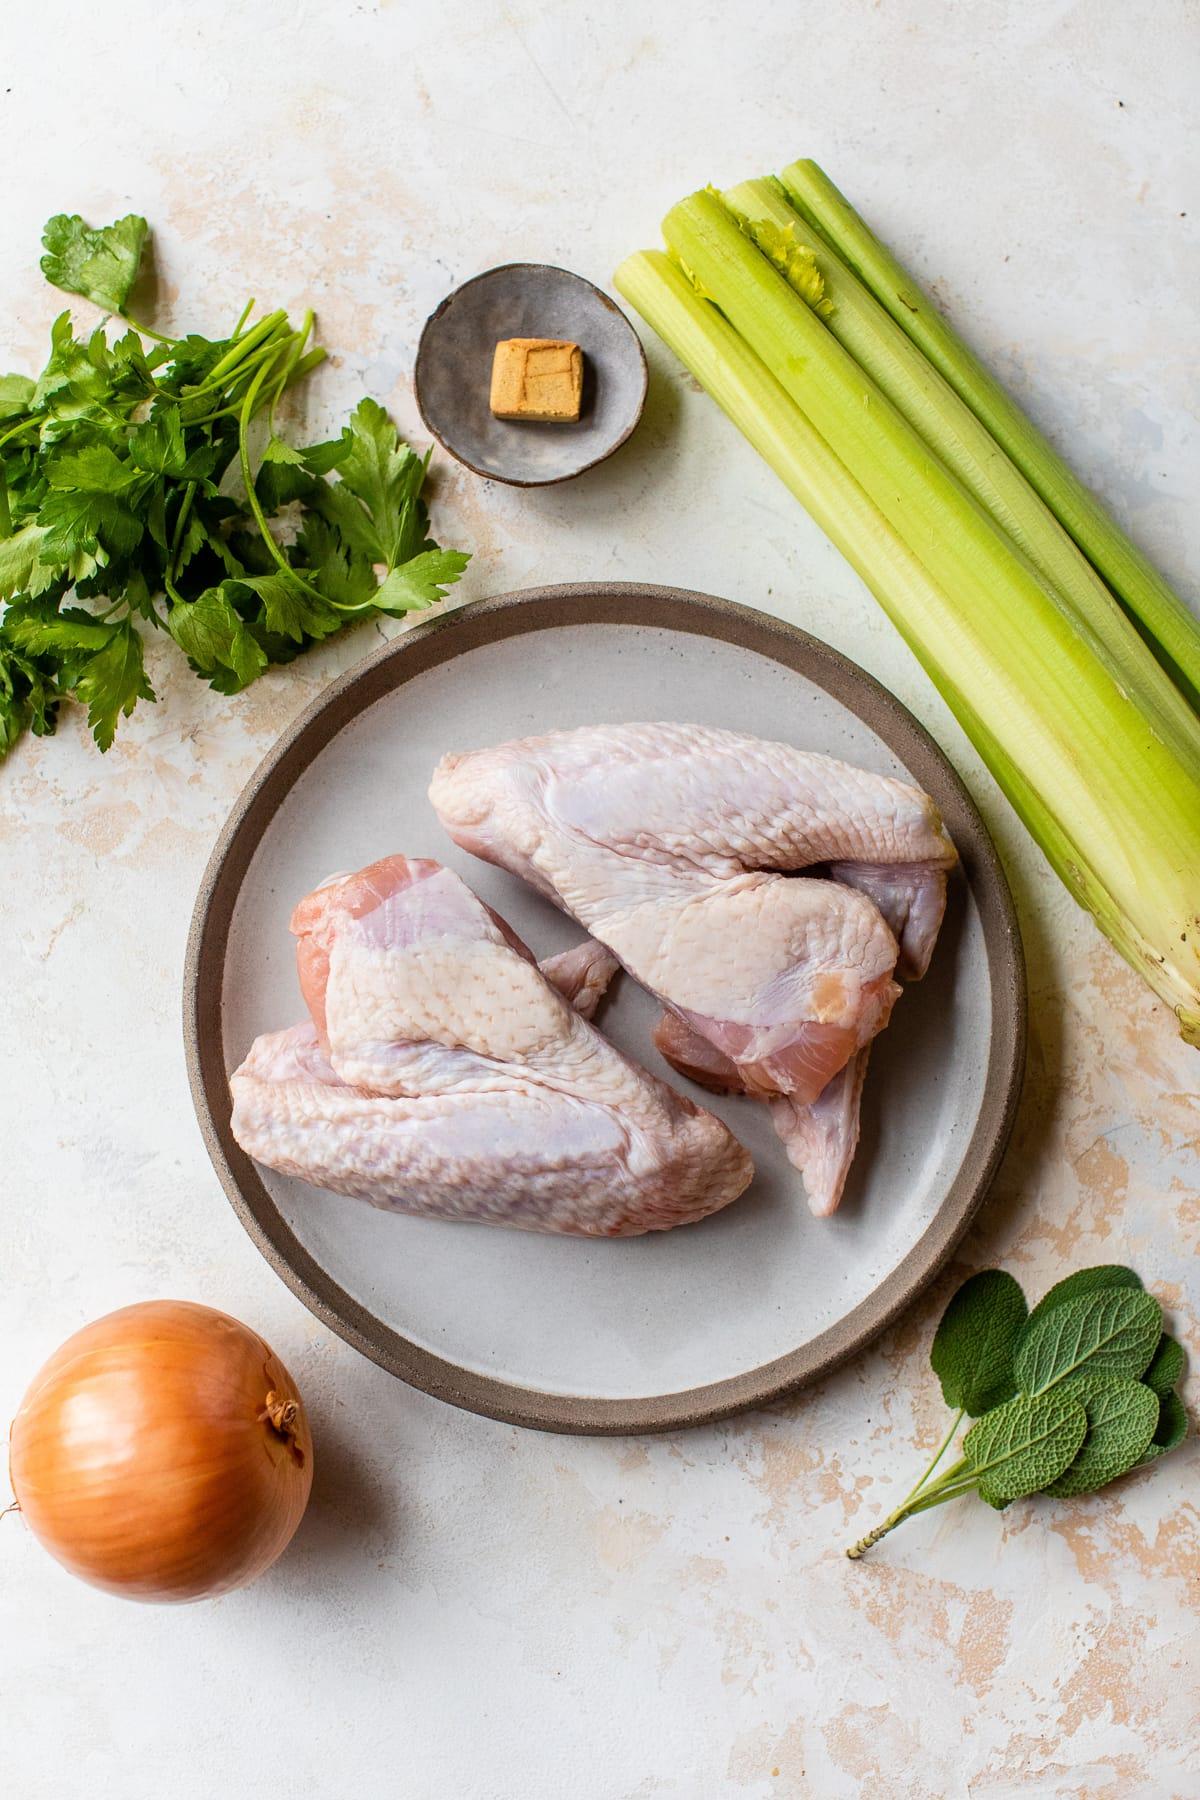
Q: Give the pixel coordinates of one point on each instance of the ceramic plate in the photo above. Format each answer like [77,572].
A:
[644,1333]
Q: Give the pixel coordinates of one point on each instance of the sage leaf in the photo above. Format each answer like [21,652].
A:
[973,1347]
[1025,1444]
[1113,1331]
[1121,1418]
[1166,1366]
[1171,1428]
[1080,1417]
[1086,1281]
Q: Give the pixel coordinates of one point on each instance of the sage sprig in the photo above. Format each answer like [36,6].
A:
[1064,1399]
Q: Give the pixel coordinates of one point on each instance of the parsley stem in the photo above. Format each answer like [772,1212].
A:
[231,397]
[260,518]
[189,494]
[16,430]
[157,337]
[185,507]
[265,354]
[267,328]
[308,361]
[289,364]
[245,314]
[232,385]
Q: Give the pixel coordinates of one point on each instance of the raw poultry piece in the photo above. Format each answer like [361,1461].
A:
[676,846]
[442,1073]
[581,974]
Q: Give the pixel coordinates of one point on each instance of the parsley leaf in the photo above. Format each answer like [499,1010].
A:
[290,610]
[41,628]
[212,635]
[16,391]
[20,555]
[158,446]
[385,476]
[420,582]
[100,265]
[132,477]
[28,696]
[87,523]
[112,682]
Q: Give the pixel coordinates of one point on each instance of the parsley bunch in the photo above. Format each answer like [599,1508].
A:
[114,497]
[1065,1398]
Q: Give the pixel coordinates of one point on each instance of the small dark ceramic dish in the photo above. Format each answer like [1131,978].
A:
[454,371]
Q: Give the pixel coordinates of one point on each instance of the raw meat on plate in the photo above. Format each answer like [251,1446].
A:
[443,1073]
[678,847]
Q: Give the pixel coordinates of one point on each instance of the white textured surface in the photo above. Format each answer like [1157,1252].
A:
[470,1611]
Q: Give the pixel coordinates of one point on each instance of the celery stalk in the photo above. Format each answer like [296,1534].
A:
[970,452]
[1168,626]
[1115,814]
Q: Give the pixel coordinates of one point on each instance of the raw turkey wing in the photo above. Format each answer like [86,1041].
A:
[676,845]
[443,1074]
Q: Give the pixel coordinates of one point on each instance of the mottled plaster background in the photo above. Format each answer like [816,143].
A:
[469,1611]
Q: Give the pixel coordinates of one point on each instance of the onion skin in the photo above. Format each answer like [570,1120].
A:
[163,1453]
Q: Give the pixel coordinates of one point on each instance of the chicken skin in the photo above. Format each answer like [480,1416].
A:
[443,1073]
[680,848]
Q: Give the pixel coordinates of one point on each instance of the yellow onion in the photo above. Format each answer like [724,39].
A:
[163,1453]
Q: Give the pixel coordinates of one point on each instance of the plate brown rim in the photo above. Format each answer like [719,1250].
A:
[426,646]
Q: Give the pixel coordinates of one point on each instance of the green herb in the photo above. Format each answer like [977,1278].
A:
[1166,1367]
[100,265]
[1022,1446]
[1171,1428]
[1066,1398]
[1111,1331]
[1086,1281]
[1121,1419]
[133,499]
[975,1343]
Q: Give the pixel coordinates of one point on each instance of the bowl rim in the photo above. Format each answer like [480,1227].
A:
[606,300]
[426,646]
